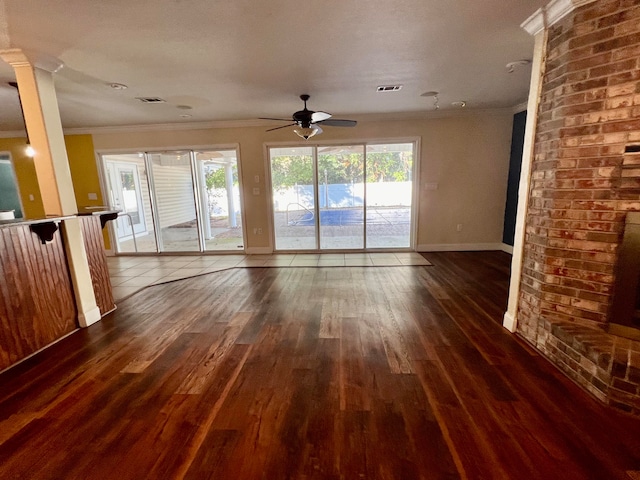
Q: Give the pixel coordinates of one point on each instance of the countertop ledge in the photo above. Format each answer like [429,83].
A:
[83,211]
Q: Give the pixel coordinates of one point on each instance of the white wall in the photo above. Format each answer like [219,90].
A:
[466,154]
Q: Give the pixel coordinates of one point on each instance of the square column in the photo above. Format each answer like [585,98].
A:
[42,119]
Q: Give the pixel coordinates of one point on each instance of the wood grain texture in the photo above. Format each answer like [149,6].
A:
[309,373]
[94,245]
[36,298]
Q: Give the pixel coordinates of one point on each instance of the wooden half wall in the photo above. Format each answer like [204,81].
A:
[37,304]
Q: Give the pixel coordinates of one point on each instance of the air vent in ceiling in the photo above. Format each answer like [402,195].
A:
[389,88]
[151,99]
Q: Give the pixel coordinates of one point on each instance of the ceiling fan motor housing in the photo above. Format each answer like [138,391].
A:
[303,117]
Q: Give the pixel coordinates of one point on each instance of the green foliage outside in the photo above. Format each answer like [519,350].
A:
[287,171]
[216,178]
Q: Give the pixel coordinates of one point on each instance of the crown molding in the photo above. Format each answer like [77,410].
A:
[219,124]
[522,107]
[13,134]
[15,57]
[535,23]
[155,127]
[550,14]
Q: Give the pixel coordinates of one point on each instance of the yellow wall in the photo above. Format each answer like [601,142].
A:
[84,171]
[26,176]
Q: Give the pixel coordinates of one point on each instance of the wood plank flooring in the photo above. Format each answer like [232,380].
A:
[309,373]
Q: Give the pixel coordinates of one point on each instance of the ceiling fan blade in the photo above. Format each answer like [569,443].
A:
[335,122]
[278,128]
[319,117]
[279,119]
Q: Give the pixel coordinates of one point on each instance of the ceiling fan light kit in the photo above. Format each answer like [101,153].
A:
[307,132]
[307,122]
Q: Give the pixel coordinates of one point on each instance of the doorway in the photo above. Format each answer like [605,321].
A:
[343,197]
[176,201]
[10,198]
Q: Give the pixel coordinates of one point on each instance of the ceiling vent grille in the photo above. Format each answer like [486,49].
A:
[389,88]
[151,99]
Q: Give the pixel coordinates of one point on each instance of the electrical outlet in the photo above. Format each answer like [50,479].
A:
[93,196]
[259,231]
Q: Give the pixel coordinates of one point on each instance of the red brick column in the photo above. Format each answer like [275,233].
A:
[589,113]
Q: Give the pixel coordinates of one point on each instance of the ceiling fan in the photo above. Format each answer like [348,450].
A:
[308,121]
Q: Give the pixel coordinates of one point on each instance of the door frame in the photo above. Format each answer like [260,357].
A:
[100,153]
[9,160]
[138,185]
[415,204]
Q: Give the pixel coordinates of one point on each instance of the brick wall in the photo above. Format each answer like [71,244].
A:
[580,193]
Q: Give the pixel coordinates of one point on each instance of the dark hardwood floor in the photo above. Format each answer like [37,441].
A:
[309,373]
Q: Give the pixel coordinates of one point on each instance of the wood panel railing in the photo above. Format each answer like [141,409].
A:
[94,245]
[37,303]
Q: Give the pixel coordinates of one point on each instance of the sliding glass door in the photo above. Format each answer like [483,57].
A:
[389,195]
[175,199]
[340,174]
[293,186]
[188,202]
[219,189]
[126,179]
[343,197]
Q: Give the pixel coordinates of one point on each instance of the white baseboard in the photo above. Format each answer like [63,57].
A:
[507,248]
[89,317]
[458,247]
[509,322]
[258,250]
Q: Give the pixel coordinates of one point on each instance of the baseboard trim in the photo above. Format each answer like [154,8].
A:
[258,250]
[89,317]
[509,322]
[507,248]
[458,247]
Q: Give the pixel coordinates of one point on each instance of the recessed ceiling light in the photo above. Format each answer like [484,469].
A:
[389,88]
[118,86]
[460,104]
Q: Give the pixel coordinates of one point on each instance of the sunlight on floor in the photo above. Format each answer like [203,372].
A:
[130,274]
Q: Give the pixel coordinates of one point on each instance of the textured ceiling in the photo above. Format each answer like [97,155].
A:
[243,59]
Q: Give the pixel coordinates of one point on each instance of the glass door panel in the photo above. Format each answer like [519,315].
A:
[341,197]
[220,199]
[128,191]
[173,187]
[294,198]
[389,195]
[10,198]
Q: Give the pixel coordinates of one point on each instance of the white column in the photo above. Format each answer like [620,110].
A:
[204,200]
[42,118]
[510,320]
[228,181]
